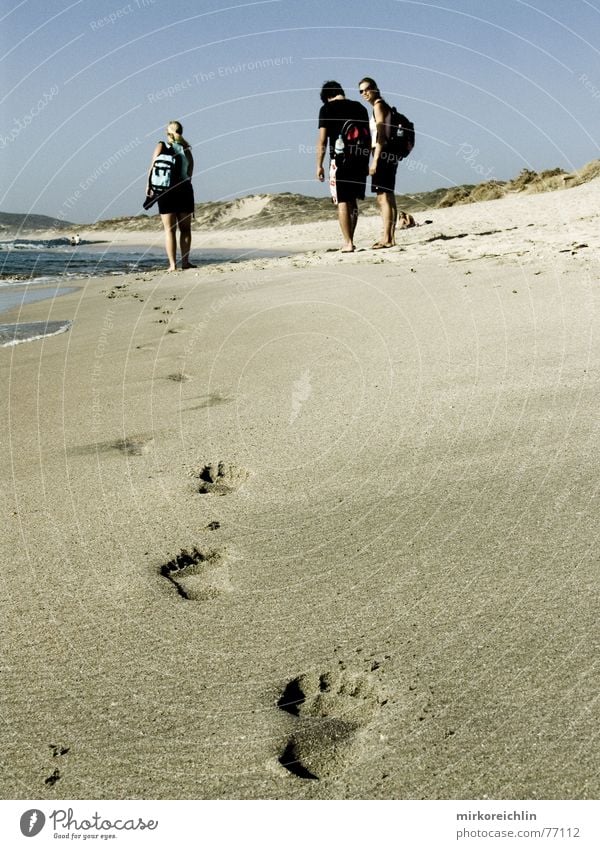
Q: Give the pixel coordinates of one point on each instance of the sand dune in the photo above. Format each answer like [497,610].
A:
[286,208]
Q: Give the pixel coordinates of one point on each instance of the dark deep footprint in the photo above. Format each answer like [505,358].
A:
[198,575]
[332,708]
[291,759]
[221,478]
[52,779]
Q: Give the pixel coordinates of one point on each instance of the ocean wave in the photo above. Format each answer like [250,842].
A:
[7,280]
[34,244]
[14,334]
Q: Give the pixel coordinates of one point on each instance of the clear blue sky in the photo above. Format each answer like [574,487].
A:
[493,86]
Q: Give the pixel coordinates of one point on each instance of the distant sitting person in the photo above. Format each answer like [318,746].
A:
[75,240]
[347,172]
[405,220]
[176,204]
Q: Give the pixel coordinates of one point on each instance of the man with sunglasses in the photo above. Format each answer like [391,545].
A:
[384,165]
[348,179]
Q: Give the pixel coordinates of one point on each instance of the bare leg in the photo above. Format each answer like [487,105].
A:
[353,204]
[389,214]
[170,224]
[185,238]
[347,219]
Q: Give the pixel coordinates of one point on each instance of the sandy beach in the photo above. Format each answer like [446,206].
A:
[322,526]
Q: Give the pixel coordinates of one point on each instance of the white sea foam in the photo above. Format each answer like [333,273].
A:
[14,334]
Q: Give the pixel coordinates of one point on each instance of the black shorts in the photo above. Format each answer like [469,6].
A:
[179,200]
[384,178]
[350,183]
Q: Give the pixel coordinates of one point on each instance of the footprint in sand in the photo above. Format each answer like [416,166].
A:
[130,445]
[174,328]
[52,779]
[179,377]
[198,575]
[207,401]
[332,708]
[57,752]
[221,478]
[134,445]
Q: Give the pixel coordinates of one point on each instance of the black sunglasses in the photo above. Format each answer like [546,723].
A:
[364,90]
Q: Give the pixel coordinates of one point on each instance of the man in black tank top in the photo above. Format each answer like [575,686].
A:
[349,179]
[384,165]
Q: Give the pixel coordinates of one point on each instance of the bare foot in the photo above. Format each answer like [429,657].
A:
[189,265]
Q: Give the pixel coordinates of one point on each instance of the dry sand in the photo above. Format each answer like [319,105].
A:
[363,488]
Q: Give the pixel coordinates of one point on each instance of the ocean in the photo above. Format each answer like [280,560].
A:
[37,269]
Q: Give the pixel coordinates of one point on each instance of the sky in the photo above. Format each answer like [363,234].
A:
[492,86]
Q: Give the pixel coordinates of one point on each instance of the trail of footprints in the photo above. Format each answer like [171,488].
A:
[201,574]
[331,708]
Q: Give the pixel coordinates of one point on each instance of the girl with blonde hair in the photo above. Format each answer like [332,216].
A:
[176,205]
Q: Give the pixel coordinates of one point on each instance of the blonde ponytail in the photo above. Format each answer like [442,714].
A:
[174,131]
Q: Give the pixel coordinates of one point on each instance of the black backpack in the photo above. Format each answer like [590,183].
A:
[356,138]
[402,136]
[166,170]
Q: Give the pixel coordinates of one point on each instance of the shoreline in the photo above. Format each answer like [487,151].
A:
[16,294]
[13,303]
